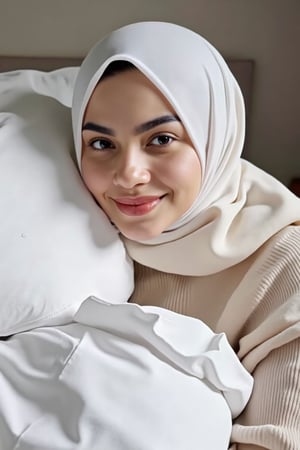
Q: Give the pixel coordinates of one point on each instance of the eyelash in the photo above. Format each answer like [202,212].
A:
[99,140]
[108,145]
[170,140]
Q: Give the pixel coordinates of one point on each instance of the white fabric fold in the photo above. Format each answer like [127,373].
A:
[184,341]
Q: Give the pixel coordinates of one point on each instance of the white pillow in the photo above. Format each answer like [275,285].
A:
[56,246]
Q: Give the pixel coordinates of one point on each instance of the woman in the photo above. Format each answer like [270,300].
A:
[159,145]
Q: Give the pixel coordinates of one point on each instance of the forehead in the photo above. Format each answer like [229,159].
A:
[124,92]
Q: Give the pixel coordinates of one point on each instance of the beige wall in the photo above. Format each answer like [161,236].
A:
[267,31]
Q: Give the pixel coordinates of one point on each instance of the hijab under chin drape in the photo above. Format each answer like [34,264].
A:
[239,206]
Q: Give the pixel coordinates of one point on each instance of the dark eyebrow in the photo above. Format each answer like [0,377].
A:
[99,128]
[138,130]
[155,122]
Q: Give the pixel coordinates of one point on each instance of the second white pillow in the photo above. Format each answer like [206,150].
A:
[56,246]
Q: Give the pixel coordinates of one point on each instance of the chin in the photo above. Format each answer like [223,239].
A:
[140,235]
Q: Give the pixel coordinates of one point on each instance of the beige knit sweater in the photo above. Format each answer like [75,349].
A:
[257,304]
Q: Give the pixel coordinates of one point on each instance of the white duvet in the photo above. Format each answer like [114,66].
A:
[121,377]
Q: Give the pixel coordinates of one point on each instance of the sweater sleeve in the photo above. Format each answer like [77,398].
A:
[269,347]
[272,417]
[270,350]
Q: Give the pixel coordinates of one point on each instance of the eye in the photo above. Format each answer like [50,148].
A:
[101,144]
[161,140]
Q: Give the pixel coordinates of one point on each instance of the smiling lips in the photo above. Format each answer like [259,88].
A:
[137,206]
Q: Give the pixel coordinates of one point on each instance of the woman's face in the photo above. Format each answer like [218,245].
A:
[137,159]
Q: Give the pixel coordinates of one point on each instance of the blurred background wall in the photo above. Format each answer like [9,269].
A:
[267,31]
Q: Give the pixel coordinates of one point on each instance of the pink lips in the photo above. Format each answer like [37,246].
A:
[136,206]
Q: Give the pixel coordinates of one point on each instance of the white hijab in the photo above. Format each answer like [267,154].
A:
[239,206]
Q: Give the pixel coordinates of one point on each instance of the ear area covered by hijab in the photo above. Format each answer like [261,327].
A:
[239,206]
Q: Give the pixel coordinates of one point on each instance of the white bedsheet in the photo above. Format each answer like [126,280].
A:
[121,377]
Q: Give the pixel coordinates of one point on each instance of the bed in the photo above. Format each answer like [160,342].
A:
[75,356]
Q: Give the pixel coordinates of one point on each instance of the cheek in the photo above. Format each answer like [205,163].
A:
[95,177]
[183,171]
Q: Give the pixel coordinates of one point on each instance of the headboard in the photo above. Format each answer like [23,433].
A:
[27,62]
[242,69]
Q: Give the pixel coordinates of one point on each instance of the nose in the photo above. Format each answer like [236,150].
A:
[132,169]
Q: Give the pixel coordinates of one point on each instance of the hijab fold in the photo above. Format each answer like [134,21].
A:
[239,206]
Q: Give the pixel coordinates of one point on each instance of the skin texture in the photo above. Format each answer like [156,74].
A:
[143,172]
